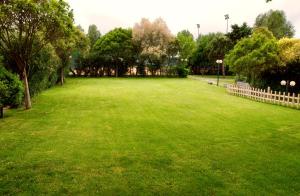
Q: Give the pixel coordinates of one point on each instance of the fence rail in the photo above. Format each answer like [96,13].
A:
[268,96]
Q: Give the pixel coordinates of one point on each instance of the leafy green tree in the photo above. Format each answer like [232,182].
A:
[11,90]
[93,34]
[80,50]
[239,32]
[65,47]
[276,22]
[116,46]
[186,44]
[217,49]
[252,56]
[26,26]
[200,57]
[210,48]
[42,73]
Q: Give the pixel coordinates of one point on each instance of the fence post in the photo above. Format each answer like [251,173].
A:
[293,100]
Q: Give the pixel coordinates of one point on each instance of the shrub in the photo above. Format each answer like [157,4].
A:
[182,71]
[43,73]
[11,90]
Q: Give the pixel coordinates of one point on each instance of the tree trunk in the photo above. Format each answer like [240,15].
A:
[1,112]
[27,93]
[62,75]
[223,69]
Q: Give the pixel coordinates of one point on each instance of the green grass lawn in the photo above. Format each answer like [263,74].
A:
[149,136]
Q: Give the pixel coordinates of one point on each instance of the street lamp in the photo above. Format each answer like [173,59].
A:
[227,18]
[198,26]
[219,62]
[287,84]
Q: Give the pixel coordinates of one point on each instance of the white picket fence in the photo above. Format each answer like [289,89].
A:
[268,96]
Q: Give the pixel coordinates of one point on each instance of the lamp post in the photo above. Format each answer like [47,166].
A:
[219,62]
[227,18]
[198,27]
[287,84]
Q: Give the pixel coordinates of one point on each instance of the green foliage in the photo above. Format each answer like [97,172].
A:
[43,70]
[218,47]
[200,56]
[254,55]
[116,47]
[26,27]
[11,89]
[277,23]
[239,32]
[93,34]
[181,71]
[210,47]
[289,50]
[186,44]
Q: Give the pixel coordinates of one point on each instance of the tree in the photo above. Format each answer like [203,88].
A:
[276,22]
[152,39]
[253,56]
[11,90]
[80,52]
[239,32]
[66,45]
[200,58]
[116,46]
[186,44]
[289,50]
[42,73]
[93,34]
[217,49]
[26,26]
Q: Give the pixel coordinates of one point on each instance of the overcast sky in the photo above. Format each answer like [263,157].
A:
[180,14]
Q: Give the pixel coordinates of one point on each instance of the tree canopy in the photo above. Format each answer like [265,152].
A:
[26,26]
[239,32]
[116,46]
[276,22]
[93,34]
[186,44]
[152,38]
[254,55]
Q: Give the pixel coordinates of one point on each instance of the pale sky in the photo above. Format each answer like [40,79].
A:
[179,15]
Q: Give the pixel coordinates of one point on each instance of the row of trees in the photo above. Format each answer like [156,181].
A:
[148,48]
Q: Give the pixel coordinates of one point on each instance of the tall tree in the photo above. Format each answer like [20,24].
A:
[276,22]
[186,43]
[152,38]
[239,32]
[217,49]
[252,56]
[93,34]
[65,46]
[26,26]
[116,46]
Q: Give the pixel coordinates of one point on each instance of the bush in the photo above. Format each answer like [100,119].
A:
[43,73]
[182,71]
[11,90]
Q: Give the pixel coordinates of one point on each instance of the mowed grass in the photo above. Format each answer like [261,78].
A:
[149,137]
